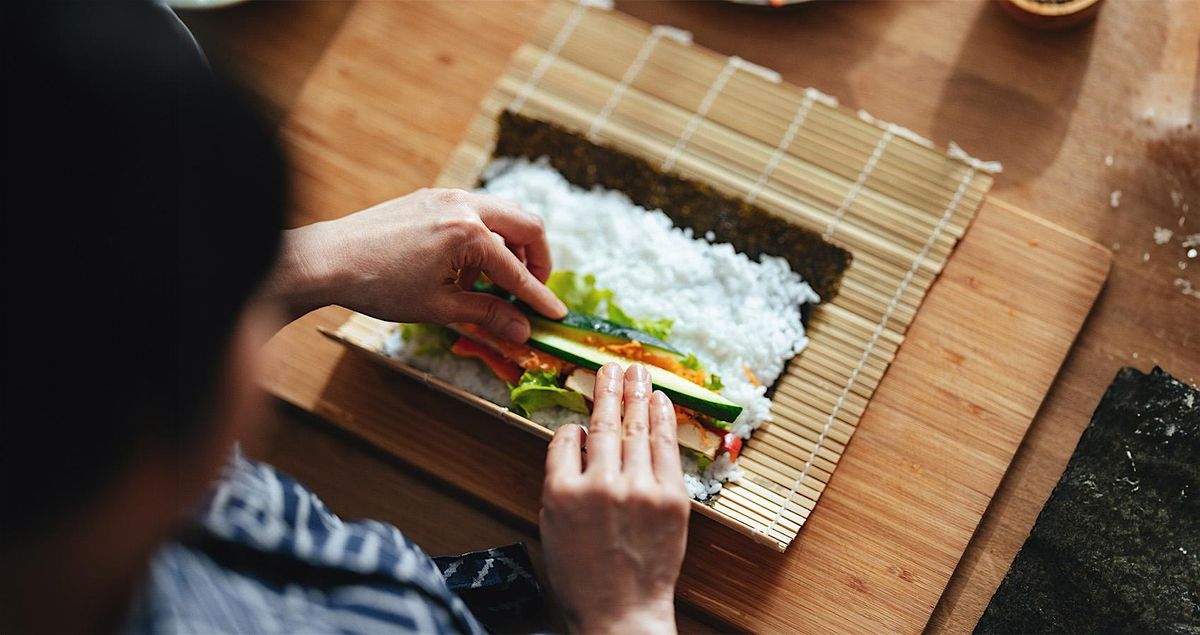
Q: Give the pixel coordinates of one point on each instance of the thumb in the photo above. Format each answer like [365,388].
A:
[493,314]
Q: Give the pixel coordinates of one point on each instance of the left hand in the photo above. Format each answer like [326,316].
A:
[615,530]
[413,259]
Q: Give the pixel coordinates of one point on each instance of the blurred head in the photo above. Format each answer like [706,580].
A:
[142,204]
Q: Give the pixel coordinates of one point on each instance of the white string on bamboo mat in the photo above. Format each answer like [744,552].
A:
[855,189]
[543,65]
[714,89]
[991,167]
[785,143]
[870,348]
[643,55]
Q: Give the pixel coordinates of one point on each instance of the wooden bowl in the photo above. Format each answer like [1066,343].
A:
[1049,14]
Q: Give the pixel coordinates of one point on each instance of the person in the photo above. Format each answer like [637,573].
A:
[145,268]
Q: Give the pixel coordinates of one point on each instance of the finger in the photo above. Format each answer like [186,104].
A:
[604,441]
[562,457]
[494,314]
[519,228]
[503,267]
[467,277]
[664,442]
[516,250]
[635,435]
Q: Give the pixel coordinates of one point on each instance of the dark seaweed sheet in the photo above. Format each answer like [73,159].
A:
[1117,546]
[750,229]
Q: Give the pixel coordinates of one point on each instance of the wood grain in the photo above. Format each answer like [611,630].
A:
[928,454]
[1051,106]
[269,46]
[434,91]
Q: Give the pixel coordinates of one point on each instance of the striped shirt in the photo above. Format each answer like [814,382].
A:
[266,556]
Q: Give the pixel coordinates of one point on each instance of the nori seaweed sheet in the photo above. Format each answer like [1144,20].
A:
[1117,547]
[750,229]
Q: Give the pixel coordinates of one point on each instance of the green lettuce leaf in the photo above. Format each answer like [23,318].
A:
[702,460]
[655,328]
[578,292]
[714,382]
[660,328]
[429,339]
[538,378]
[717,423]
[538,390]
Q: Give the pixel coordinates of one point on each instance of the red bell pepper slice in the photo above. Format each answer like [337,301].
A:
[504,369]
[732,444]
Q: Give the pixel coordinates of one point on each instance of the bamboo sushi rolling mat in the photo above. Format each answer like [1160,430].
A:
[897,205]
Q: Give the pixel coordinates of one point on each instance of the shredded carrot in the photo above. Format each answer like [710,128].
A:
[636,351]
[537,360]
[530,358]
[750,375]
[682,414]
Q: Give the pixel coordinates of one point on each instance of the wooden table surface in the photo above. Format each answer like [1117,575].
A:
[1051,106]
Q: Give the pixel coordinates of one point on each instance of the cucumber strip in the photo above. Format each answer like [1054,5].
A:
[578,325]
[680,390]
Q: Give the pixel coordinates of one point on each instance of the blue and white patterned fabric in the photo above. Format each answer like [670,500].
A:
[267,557]
[498,584]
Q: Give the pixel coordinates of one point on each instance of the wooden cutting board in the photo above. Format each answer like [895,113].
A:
[929,451]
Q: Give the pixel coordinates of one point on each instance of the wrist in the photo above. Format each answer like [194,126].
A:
[305,274]
[652,617]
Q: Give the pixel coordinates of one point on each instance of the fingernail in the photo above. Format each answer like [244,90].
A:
[637,372]
[516,330]
[560,308]
[614,375]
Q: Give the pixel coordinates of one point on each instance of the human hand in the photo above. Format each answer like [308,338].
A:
[413,259]
[615,531]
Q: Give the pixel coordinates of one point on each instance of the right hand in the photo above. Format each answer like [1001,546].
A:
[412,259]
[615,530]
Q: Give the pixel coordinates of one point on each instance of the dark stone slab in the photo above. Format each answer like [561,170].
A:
[1117,546]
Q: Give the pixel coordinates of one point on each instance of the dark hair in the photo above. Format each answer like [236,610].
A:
[142,204]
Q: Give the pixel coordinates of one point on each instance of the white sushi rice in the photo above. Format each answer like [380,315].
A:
[732,312]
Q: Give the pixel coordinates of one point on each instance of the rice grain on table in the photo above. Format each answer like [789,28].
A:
[734,313]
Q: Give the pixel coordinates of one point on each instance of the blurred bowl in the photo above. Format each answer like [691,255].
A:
[769,3]
[1049,14]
